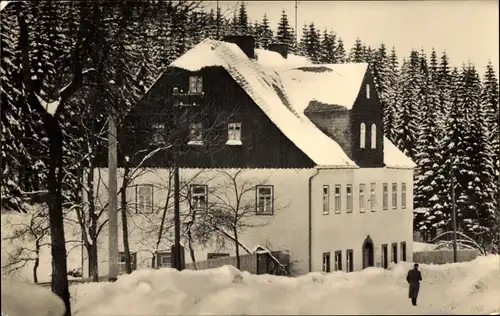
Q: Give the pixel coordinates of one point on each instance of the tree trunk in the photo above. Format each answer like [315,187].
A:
[60,284]
[123,208]
[93,261]
[37,262]
[237,244]
[191,250]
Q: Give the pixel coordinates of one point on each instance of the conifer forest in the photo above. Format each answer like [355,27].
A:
[85,57]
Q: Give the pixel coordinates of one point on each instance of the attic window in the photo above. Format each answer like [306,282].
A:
[374,136]
[195,134]
[362,135]
[195,85]
[367,91]
[158,132]
[234,134]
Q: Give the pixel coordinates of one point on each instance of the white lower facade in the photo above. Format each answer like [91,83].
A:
[295,215]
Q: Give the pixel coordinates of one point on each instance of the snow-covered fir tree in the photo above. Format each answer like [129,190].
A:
[357,52]
[328,47]
[340,54]
[393,97]
[285,33]
[302,44]
[489,100]
[265,32]
[313,44]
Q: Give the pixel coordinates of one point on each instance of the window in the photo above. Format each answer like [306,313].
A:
[195,134]
[326,262]
[338,260]
[362,135]
[403,195]
[338,204]
[195,85]
[362,201]
[374,136]
[394,195]
[349,260]
[265,200]
[348,189]
[385,256]
[395,253]
[163,259]
[144,198]
[211,255]
[373,202]
[326,199]
[198,194]
[233,134]
[367,91]
[403,251]
[121,263]
[158,134]
[385,196]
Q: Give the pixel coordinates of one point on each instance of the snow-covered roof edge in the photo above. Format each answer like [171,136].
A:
[395,158]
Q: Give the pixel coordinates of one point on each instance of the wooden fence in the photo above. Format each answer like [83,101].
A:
[444,256]
[277,263]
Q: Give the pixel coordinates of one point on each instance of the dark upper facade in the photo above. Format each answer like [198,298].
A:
[237,109]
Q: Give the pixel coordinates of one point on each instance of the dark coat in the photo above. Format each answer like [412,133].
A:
[413,278]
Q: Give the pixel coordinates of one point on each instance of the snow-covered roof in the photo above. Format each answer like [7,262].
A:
[283,88]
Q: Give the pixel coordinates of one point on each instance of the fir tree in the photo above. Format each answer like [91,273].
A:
[265,32]
[302,45]
[242,25]
[489,100]
[285,34]
[340,54]
[327,48]
[393,97]
[313,44]
[356,55]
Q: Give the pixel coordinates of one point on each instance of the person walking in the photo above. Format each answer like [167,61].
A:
[413,278]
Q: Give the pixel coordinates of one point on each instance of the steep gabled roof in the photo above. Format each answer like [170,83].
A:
[283,88]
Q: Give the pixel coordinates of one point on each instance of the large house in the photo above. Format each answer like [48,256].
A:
[305,141]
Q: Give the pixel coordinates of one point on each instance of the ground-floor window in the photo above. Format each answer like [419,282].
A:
[395,252]
[349,260]
[338,260]
[121,263]
[326,262]
[403,251]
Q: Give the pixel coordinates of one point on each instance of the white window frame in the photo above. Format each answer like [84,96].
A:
[374,136]
[338,260]
[373,196]
[326,199]
[163,255]
[368,91]
[394,192]
[338,199]
[121,261]
[195,85]
[195,134]
[198,200]
[267,205]
[362,198]
[403,195]
[158,134]
[327,262]
[349,200]
[144,198]
[385,196]
[362,135]
[234,134]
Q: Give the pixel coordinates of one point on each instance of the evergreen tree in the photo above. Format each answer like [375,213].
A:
[242,25]
[285,34]
[444,79]
[340,54]
[357,54]
[302,45]
[265,32]
[312,41]
[220,25]
[489,99]
[327,48]
[393,97]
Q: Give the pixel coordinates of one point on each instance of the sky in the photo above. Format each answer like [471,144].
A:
[466,30]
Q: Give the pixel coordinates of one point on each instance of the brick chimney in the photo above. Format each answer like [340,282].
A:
[245,42]
[280,48]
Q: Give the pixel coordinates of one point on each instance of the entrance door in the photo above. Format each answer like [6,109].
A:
[368,253]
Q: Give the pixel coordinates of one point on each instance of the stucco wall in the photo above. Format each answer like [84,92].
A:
[343,231]
[286,230]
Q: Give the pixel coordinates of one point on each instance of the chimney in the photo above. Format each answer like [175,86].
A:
[280,48]
[245,42]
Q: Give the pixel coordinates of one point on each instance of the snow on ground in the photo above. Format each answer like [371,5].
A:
[460,288]
[22,299]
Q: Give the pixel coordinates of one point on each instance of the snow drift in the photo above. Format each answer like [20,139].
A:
[461,288]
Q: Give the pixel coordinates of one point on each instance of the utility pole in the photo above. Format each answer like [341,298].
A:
[177,217]
[453,211]
[296,30]
[112,203]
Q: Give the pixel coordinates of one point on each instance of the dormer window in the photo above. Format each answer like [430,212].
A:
[362,135]
[195,85]
[374,136]
[195,134]
[234,134]
[367,91]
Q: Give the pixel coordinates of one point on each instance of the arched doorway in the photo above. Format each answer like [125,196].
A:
[368,253]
